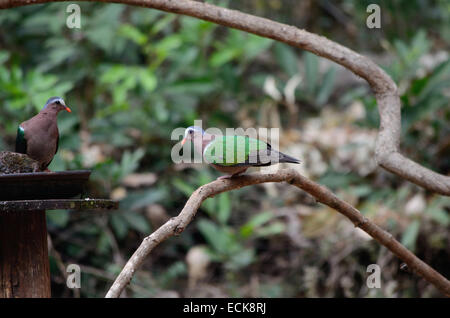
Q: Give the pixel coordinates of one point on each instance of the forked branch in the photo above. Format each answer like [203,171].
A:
[177,224]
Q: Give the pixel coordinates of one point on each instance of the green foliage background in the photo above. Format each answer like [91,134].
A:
[132,75]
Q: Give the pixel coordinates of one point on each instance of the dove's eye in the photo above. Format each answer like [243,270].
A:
[58,102]
[191,131]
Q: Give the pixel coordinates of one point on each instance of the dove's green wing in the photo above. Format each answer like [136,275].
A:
[21,142]
[237,151]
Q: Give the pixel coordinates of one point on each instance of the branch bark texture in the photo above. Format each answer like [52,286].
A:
[387,147]
[177,224]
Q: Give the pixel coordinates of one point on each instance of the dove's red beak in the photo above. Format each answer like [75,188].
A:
[183,141]
[68,109]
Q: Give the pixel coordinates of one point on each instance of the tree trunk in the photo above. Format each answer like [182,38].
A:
[24,266]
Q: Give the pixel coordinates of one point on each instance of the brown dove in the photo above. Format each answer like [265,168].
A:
[38,137]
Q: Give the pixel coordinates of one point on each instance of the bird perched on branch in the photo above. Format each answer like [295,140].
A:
[38,137]
[233,154]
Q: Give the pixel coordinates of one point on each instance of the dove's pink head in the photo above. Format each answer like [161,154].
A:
[191,133]
[56,104]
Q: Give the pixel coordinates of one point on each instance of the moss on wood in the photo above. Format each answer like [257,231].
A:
[13,162]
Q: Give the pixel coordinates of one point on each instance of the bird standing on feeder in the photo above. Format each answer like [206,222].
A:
[233,154]
[38,137]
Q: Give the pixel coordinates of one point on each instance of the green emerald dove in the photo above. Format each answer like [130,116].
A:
[233,155]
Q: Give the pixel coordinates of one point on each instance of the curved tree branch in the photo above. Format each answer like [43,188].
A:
[177,224]
[387,147]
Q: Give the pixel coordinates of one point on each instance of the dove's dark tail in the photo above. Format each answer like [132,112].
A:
[286,158]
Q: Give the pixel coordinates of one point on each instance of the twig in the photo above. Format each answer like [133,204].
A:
[177,224]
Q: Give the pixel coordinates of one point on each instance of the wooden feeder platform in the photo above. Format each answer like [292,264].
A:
[24,198]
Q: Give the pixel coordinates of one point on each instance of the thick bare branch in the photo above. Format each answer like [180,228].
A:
[177,224]
[388,141]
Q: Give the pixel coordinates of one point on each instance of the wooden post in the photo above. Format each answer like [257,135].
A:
[24,266]
[24,198]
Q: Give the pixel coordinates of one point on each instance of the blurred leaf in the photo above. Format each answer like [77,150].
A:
[113,74]
[4,56]
[59,218]
[437,210]
[311,70]
[272,229]
[224,207]
[410,235]
[256,221]
[241,259]
[408,56]
[335,180]
[255,45]
[103,243]
[361,191]
[132,33]
[218,237]
[196,86]
[162,23]
[184,187]
[141,198]
[119,225]
[327,86]
[137,222]
[175,270]
[223,56]
[148,80]
[286,57]
[168,44]
[129,162]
